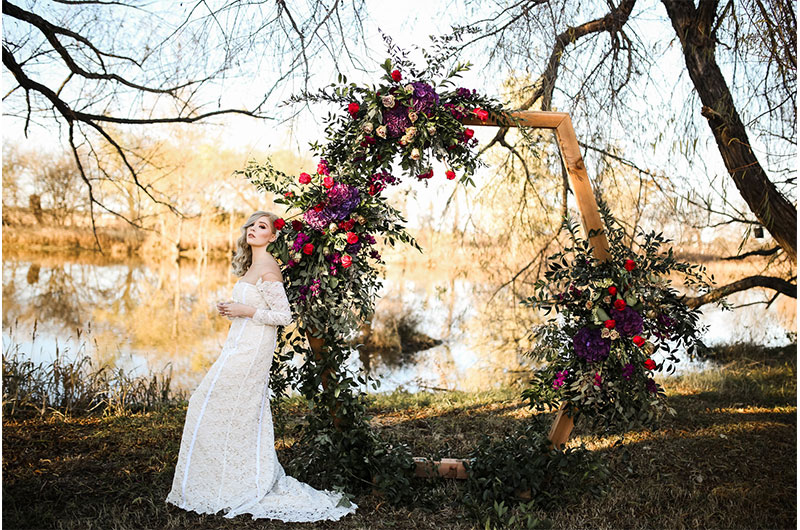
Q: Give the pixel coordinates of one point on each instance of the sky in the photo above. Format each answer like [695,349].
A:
[408,23]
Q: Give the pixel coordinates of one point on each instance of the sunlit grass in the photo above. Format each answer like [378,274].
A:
[726,460]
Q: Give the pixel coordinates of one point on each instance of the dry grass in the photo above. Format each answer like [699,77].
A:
[727,460]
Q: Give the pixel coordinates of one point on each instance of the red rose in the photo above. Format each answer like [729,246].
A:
[297,226]
[327,182]
[481,114]
[319,207]
[288,194]
[450,174]
[279,223]
[352,237]
[353,108]
[619,305]
[468,133]
[305,178]
[346,261]
[630,265]
[650,364]
[428,174]
[396,76]
[610,323]
[308,249]
[639,341]
[612,290]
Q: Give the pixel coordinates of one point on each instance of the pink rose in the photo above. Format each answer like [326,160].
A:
[327,182]
[481,114]
[346,261]
[305,178]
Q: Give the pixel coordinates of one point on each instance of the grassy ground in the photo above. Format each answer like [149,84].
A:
[727,460]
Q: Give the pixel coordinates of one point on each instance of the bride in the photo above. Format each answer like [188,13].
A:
[227,459]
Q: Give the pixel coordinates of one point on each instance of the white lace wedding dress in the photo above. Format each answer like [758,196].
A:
[227,459]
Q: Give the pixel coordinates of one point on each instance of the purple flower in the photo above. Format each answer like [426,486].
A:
[354,248]
[396,120]
[314,288]
[342,200]
[457,112]
[652,386]
[558,382]
[299,241]
[629,322]
[627,371]
[424,99]
[590,346]
[375,254]
[465,93]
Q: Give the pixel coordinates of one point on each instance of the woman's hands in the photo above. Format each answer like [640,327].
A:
[234,309]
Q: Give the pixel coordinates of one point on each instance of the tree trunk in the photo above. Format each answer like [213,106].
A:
[771,208]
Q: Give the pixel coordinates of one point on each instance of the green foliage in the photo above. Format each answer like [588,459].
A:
[524,465]
[610,317]
[326,249]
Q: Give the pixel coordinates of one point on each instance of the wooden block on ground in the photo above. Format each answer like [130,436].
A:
[445,468]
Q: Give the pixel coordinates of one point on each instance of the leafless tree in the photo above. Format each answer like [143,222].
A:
[605,60]
[91,65]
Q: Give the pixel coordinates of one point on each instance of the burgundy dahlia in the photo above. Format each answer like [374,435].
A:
[396,120]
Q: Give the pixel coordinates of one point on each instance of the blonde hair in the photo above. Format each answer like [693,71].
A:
[243,255]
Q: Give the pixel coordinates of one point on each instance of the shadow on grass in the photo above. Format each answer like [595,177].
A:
[727,460]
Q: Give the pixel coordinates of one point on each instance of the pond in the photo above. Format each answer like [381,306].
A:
[147,317]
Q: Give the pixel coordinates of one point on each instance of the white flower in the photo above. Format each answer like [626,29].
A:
[367,127]
[388,101]
[614,334]
[381,131]
[431,130]
[415,154]
[409,88]
[412,116]
[332,227]
[411,132]
[297,256]
[404,140]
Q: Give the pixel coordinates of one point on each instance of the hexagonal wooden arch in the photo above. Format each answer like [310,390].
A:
[561,124]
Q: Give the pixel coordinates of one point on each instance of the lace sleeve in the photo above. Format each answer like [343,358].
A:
[277,312]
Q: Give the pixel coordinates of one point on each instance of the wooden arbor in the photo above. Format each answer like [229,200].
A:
[561,123]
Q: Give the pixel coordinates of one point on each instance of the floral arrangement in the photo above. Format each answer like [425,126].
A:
[611,319]
[327,246]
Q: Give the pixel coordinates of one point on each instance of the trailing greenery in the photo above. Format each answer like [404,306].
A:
[524,465]
[326,247]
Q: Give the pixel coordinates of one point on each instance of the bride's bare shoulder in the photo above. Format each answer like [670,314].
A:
[272,273]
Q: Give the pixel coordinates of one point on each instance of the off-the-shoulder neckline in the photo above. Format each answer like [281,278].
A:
[259,281]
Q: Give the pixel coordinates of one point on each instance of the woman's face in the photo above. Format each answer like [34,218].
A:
[260,233]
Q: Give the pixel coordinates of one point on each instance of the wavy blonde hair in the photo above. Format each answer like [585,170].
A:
[243,255]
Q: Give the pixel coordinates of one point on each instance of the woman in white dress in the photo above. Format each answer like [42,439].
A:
[227,460]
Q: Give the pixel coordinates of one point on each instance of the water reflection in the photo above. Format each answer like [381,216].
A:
[433,328]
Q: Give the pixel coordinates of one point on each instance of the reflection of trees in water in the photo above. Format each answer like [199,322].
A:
[163,312]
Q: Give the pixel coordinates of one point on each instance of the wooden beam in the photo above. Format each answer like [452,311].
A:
[445,468]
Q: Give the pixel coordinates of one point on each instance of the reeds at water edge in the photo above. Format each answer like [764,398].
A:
[77,385]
